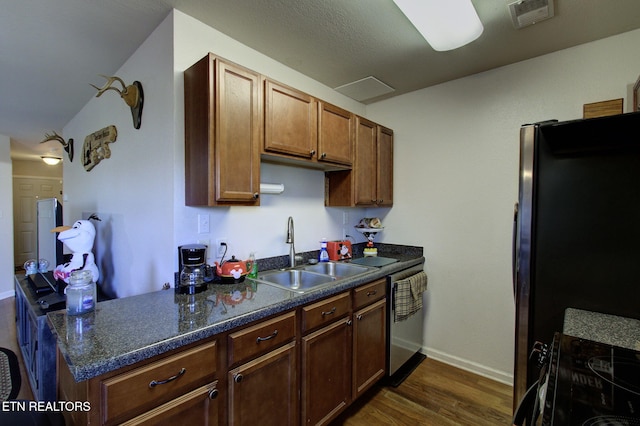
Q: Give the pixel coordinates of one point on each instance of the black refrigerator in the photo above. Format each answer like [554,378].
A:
[576,228]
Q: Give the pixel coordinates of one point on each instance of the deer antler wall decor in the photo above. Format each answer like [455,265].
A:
[131,94]
[67,145]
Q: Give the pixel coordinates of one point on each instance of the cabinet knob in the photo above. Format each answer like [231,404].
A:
[380,201]
[323,155]
[256,195]
[312,153]
[213,393]
[237,378]
[349,322]
[359,317]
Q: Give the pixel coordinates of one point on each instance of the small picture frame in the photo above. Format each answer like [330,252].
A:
[636,95]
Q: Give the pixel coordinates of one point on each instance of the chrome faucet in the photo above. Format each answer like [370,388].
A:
[290,240]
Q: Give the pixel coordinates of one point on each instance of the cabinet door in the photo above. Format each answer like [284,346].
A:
[290,121]
[326,372]
[365,167]
[237,134]
[222,134]
[335,134]
[385,166]
[369,349]
[265,391]
[199,407]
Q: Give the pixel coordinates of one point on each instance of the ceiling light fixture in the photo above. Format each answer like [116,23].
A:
[50,160]
[445,24]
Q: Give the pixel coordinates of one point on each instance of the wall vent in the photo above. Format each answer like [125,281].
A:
[529,12]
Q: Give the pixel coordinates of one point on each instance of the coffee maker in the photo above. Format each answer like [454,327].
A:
[194,272]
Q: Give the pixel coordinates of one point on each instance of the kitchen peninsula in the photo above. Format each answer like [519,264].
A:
[195,350]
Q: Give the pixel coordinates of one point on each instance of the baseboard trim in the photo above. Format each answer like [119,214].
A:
[473,367]
[7,294]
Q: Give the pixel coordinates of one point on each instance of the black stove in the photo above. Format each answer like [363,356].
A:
[591,384]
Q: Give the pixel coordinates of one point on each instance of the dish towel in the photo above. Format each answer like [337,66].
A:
[408,297]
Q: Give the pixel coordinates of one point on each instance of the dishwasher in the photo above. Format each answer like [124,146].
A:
[404,337]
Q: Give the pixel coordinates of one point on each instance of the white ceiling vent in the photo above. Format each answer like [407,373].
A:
[365,88]
[529,12]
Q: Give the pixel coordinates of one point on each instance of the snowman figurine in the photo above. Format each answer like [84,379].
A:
[79,239]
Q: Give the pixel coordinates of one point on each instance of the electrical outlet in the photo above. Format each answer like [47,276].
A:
[203,224]
[222,245]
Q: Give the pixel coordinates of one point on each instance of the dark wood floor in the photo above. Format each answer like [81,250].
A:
[434,394]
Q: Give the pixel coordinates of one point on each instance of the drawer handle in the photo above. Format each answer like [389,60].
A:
[372,293]
[332,311]
[155,383]
[271,336]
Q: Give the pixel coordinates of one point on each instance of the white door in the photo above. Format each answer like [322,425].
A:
[26,191]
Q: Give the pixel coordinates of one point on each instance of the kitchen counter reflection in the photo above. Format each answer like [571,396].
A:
[124,331]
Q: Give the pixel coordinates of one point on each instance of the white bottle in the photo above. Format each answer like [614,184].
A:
[324,254]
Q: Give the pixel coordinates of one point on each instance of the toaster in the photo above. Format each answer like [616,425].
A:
[339,250]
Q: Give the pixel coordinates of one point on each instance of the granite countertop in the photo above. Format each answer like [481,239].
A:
[124,331]
[603,328]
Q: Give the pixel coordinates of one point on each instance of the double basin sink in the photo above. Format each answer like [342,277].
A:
[311,277]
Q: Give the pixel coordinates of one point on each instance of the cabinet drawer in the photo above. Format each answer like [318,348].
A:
[325,311]
[369,293]
[198,407]
[138,390]
[262,337]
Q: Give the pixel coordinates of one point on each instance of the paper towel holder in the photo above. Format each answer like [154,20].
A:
[271,188]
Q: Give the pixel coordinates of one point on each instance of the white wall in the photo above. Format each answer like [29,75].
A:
[132,192]
[456,169]
[6,220]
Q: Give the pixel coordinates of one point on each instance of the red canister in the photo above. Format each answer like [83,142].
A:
[339,249]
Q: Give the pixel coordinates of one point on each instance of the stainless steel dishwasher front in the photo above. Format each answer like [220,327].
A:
[405,338]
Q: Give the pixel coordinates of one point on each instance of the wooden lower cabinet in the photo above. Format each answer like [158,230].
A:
[304,366]
[199,407]
[369,346]
[326,367]
[265,391]
[146,390]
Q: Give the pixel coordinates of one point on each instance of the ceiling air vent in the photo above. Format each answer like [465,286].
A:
[365,88]
[529,12]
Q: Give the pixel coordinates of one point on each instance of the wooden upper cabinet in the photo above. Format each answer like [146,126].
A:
[222,134]
[290,121]
[297,126]
[384,181]
[335,134]
[365,168]
[370,182]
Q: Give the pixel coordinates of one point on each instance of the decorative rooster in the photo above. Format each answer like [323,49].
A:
[68,146]
[79,239]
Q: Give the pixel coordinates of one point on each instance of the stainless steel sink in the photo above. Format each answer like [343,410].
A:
[311,277]
[296,280]
[334,269]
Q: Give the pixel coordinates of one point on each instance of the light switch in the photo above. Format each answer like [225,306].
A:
[203,224]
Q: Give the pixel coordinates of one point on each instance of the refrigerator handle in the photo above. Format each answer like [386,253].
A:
[515,249]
